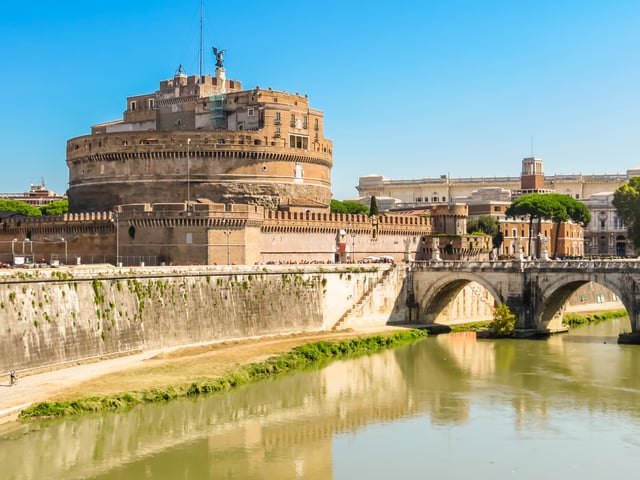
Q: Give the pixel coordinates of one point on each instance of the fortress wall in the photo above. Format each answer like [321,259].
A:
[50,317]
[90,237]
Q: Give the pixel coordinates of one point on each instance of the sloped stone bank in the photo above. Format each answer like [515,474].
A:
[52,317]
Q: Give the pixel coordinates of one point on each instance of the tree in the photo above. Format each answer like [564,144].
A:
[19,207]
[556,207]
[374,210]
[58,207]
[626,200]
[485,224]
[488,225]
[568,208]
[348,207]
[504,322]
[528,205]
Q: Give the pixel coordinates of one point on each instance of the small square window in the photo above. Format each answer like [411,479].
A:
[250,112]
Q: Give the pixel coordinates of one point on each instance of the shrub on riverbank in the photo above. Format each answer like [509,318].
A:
[576,319]
[304,356]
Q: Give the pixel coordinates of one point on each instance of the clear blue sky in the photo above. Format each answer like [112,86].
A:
[408,89]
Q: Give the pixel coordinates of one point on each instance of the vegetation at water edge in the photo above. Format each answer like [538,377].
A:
[302,357]
[577,320]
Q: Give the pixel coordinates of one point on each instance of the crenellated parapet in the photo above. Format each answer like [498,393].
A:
[70,224]
[360,224]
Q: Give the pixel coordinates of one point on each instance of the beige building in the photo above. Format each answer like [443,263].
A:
[38,195]
[443,189]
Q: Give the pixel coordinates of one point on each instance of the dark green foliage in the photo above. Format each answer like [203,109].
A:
[555,207]
[374,209]
[59,207]
[487,225]
[626,200]
[348,207]
[484,224]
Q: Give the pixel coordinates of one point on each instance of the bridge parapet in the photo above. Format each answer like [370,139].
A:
[580,265]
[466,266]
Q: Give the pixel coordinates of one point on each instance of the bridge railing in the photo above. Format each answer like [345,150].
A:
[617,265]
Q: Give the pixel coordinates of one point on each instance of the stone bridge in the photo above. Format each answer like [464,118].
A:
[536,291]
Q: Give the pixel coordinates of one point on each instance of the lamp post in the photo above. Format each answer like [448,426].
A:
[28,242]
[188,172]
[353,246]
[227,232]
[66,257]
[115,220]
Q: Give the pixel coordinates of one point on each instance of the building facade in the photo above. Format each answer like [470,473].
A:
[37,196]
[604,236]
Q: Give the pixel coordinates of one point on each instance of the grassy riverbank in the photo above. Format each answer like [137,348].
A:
[577,319]
[305,356]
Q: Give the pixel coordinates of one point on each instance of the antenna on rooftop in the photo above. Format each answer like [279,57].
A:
[201,44]
[531,146]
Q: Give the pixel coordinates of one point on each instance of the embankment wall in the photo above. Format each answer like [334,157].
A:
[55,316]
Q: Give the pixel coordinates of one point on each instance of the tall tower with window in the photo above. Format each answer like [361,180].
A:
[532,177]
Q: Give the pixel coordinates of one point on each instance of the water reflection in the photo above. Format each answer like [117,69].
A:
[287,428]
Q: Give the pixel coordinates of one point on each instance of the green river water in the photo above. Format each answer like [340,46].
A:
[448,407]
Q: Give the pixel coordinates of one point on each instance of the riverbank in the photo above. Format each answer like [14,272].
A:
[157,369]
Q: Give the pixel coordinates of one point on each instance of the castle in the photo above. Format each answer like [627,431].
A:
[203,172]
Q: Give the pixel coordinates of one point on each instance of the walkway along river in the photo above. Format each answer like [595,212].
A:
[448,407]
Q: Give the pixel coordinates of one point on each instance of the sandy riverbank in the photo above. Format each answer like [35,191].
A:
[154,369]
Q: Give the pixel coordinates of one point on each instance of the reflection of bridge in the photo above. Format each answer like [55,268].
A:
[536,291]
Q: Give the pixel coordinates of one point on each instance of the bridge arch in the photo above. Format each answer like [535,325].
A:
[438,297]
[551,301]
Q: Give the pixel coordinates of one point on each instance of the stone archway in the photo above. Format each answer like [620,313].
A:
[549,309]
[436,301]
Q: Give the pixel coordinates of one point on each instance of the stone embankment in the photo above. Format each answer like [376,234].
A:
[58,317]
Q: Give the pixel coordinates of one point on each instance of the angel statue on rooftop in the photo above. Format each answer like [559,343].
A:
[219,54]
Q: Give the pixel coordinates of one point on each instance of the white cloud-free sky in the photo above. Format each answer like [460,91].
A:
[409,89]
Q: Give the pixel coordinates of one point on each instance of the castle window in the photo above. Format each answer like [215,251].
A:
[152,103]
[305,122]
[315,124]
[250,112]
[299,141]
[189,238]
[133,106]
[277,118]
[293,120]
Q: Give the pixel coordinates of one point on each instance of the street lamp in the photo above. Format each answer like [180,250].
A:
[28,240]
[115,220]
[228,233]
[66,257]
[353,246]
[188,172]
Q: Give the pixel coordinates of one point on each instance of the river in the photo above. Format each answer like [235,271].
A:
[448,407]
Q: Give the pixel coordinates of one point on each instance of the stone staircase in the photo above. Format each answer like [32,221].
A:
[363,299]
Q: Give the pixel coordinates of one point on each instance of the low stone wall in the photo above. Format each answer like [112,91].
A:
[56,316]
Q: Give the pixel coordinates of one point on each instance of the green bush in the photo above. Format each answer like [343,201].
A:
[504,322]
